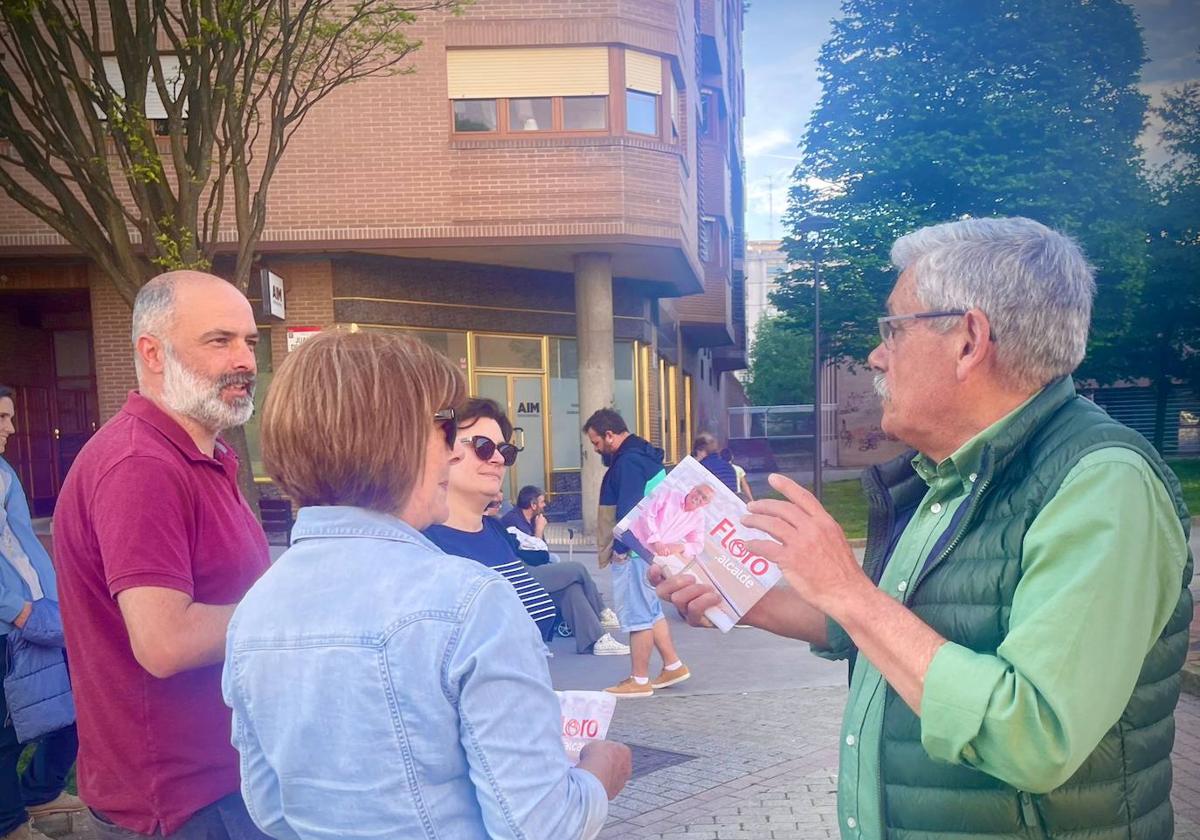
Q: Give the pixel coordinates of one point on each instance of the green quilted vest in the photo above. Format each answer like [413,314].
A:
[965,590]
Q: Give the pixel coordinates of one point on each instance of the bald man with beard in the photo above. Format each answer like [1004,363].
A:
[155,546]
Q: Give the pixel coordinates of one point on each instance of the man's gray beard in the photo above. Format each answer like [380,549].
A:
[186,392]
[881,387]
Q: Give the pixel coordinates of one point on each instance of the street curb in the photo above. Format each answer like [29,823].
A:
[1191,678]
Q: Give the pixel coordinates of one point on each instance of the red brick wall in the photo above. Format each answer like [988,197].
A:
[308,297]
[376,160]
[112,327]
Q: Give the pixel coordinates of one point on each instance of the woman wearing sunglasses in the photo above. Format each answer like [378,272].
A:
[372,677]
[482,452]
[475,479]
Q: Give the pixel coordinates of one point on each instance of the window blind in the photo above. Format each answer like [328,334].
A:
[643,72]
[527,72]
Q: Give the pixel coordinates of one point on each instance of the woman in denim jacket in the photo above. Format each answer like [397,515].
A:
[379,687]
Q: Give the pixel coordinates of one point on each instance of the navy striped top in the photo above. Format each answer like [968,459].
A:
[490,547]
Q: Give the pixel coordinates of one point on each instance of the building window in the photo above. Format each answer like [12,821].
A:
[673,425]
[709,240]
[688,425]
[531,114]
[707,117]
[674,109]
[529,89]
[508,352]
[516,91]
[154,108]
[585,113]
[643,91]
[713,245]
[641,112]
[563,373]
[475,115]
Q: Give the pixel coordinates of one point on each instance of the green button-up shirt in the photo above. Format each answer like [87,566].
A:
[1083,619]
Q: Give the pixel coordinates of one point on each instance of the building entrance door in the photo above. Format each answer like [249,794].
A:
[33,447]
[522,398]
[46,345]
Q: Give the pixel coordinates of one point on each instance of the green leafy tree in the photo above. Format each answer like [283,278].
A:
[1162,342]
[781,364]
[937,109]
[236,79]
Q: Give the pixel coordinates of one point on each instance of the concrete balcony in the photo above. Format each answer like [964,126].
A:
[714,53]
[714,176]
[706,319]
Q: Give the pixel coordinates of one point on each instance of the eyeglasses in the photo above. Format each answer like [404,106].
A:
[485,448]
[449,426]
[887,324]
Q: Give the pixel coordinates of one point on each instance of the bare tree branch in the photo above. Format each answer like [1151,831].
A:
[249,73]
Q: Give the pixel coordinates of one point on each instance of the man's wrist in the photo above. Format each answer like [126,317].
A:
[853,604]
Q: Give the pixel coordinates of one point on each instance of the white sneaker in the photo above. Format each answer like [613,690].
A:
[606,645]
[609,620]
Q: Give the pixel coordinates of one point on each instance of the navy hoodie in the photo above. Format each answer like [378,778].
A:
[633,465]
[722,469]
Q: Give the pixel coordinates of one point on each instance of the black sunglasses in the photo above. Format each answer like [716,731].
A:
[485,448]
[449,426]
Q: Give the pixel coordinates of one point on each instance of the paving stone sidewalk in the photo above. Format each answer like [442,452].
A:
[766,767]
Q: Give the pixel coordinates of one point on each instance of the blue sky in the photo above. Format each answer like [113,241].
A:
[783,37]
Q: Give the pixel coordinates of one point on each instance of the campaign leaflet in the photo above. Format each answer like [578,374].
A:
[692,523]
[585,717]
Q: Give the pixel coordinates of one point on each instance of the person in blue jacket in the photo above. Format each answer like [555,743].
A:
[36,701]
[635,467]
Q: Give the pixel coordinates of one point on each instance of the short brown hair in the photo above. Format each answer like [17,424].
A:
[705,441]
[477,408]
[605,420]
[348,416]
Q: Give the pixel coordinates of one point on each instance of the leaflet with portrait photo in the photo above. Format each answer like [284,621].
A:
[692,523]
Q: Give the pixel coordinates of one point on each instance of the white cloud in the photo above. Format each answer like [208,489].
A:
[1150,140]
[765,141]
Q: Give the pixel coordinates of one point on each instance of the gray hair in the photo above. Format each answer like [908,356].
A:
[1033,283]
[154,311]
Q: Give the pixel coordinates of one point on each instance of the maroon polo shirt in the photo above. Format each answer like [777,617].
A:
[143,506]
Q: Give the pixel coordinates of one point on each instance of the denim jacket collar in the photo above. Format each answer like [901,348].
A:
[343,521]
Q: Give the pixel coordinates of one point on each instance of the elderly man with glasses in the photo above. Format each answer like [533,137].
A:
[1018,625]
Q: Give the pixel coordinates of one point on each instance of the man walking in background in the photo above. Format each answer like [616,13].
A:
[634,468]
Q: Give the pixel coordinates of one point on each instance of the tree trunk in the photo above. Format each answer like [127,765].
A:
[1162,393]
[1162,383]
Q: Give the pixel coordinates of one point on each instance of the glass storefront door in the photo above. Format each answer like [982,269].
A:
[520,395]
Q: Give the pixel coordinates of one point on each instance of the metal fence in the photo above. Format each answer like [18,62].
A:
[780,437]
[1135,408]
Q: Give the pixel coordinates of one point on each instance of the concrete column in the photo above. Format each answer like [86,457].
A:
[594,335]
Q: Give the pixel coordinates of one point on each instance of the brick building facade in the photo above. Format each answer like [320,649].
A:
[544,157]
